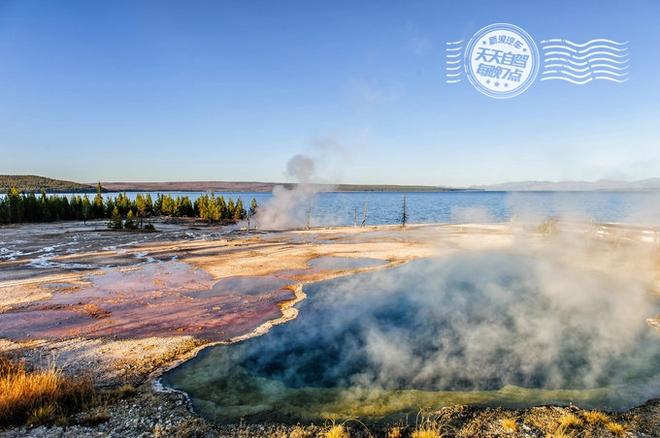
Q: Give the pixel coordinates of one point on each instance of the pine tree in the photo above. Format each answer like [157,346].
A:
[123,203]
[215,209]
[30,208]
[201,207]
[75,208]
[115,220]
[158,205]
[184,207]
[150,204]
[130,224]
[66,209]
[168,206]
[15,205]
[239,211]
[253,207]
[86,208]
[223,209]
[4,211]
[43,207]
[97,204]
[109,206]
[141,206]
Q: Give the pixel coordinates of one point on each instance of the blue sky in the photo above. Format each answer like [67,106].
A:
[195,90]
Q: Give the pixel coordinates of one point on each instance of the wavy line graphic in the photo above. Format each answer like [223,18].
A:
[454,62]
[549,65]
[589,56]
[596,40]
[589,62]
[563,78]
[581,63]
[585,81]
[620,81]
[582,51]
[586,75]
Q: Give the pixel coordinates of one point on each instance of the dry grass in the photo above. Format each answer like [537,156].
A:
[95,418]
[39,396]
[425,432]
[509,425]
[192,427]
[298,432]
[337,431]
[395,432]
[595,417]
[126,390]
[427,427]
[42,414]
[566,426]
[158,431]
[569,421]
[615,428]
[559,433]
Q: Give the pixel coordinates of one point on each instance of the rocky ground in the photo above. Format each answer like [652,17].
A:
[40,264]
[151,414]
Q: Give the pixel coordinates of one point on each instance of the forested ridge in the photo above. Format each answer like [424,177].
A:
[29,207]
[34,183]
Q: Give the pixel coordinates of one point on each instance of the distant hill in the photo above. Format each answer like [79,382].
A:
[649,184]
[35,183]
[254,186]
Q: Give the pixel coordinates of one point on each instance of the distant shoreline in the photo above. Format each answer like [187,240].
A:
[263,187]
[33,183]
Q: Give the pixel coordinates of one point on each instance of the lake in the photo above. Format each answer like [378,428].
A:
[334,208]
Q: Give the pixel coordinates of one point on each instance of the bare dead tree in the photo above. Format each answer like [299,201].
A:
[404,213]
[364,214]
[308,222]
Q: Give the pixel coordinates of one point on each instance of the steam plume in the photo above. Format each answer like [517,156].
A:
[291,208]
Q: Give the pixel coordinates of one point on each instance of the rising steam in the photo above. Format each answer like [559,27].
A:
[478,321]
[561,314]
[292,207]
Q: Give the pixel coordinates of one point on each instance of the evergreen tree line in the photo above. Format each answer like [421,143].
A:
[28,207]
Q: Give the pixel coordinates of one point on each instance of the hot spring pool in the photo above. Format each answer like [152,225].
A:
[488,329]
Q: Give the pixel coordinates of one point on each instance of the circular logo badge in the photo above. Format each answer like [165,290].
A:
[501,60]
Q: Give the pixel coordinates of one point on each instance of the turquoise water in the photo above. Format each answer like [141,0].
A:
[491,328]
[466,206]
